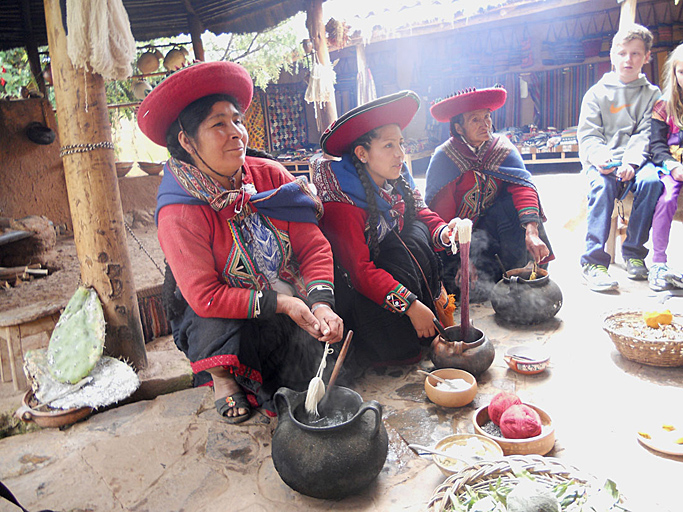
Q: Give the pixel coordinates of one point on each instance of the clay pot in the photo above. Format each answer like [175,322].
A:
[141,89]
[519,300]
[336,456]
[40,134]
[175,59]
[474,355]
[52,418]
[148,62]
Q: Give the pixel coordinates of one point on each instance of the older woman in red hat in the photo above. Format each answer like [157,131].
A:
[383,236]
[481,176]
[249,281]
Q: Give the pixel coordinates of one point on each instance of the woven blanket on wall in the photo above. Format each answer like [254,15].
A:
[287,116]
[255,122]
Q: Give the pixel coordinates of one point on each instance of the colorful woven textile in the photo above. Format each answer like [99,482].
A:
[287,116]
[255,122]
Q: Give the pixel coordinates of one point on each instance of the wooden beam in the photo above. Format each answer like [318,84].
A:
[196,29]
[92,186]
[628,13]
[32,47]
[316,29]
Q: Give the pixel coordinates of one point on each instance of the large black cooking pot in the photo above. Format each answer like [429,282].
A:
[333,456]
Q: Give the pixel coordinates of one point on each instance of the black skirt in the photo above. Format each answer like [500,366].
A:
[382,337]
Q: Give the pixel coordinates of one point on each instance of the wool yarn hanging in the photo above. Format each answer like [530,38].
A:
[99,37]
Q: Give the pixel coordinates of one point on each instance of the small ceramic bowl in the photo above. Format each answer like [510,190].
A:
[151,168]
[50,418]
[527,360]
[123,168]
[470,448]
[447,398]
[539,445]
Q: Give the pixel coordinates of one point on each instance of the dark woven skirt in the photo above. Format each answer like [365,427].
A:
[263,354]
[382,337]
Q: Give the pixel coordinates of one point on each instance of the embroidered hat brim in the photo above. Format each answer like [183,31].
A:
[492,99]
[167,100]
[398,108]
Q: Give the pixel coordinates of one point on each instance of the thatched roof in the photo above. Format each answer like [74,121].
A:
[150,19]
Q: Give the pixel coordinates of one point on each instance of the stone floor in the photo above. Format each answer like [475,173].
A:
[173,454]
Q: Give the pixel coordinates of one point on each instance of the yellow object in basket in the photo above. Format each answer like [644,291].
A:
[669,428]
[644,435]
[656,318]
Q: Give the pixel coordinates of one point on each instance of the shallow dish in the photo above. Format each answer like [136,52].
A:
[29,411]
[453,398]
[662,437]
[540,444]
[471,448]
[527,360]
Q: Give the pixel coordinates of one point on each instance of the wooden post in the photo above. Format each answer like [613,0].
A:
[628,13]
[196,30]
[93,191]
[316,29]
[32,47]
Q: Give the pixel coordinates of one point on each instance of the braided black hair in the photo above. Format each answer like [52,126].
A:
[410,209]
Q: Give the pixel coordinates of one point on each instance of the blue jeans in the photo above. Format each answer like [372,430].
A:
[646,188]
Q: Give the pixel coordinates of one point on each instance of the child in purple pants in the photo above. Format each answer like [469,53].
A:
[666,148]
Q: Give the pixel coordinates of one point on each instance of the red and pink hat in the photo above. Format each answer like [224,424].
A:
[398,108]
[167,100]
[468,100]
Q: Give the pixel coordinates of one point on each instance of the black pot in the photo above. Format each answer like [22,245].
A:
[336,456]
[520,300]
[474,355]
[40,134]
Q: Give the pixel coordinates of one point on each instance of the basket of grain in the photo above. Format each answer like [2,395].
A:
[637,338]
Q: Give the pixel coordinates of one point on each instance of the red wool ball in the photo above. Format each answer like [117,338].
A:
[500,403]
[520,422]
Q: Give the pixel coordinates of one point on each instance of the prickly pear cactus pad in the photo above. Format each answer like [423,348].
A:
[77,342]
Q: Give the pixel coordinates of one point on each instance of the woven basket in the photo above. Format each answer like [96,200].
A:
[652,352]
[548,472]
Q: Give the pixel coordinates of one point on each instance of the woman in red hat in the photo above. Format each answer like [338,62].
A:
[383,236]
[249,281]
[481,176]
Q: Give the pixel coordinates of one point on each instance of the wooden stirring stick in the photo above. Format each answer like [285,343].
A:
[340,360]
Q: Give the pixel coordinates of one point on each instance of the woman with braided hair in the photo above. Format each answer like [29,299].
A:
[383,237]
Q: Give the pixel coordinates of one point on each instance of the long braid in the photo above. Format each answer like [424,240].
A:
[373,212]
[408,198]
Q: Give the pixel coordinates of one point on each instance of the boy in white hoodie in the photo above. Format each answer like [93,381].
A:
[613,134]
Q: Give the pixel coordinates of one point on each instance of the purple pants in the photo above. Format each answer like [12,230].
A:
[664,214]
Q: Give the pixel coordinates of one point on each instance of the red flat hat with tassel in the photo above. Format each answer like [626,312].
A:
[167,100]
[468,100]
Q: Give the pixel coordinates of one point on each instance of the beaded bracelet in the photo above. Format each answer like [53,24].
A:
[320,305]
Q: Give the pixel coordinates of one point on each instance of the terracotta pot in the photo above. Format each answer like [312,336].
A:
[336,456]
[51,418]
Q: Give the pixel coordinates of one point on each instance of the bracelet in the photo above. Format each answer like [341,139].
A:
[320,305]
[83,148]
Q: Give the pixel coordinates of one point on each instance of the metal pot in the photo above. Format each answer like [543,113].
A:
[519,299]
[474,355]
[332,457]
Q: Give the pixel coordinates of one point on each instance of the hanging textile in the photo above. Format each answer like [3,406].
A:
[321,82]
[99,37]
[287,117]
[255,122]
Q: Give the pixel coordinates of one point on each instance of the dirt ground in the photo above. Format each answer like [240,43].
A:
[60,285]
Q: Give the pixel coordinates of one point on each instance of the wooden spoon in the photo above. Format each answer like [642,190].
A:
[420,448]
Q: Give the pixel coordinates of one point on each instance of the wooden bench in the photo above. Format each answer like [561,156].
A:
[18,324]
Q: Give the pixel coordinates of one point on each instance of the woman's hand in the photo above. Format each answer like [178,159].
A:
[534,244]
[677,172]
[626,172]
[422,319]
[331,326]
[451,233]
[297,310]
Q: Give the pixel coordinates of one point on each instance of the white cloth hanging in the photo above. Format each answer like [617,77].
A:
[321,83]
[99,37]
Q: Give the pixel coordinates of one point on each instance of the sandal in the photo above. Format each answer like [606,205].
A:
[237,400]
